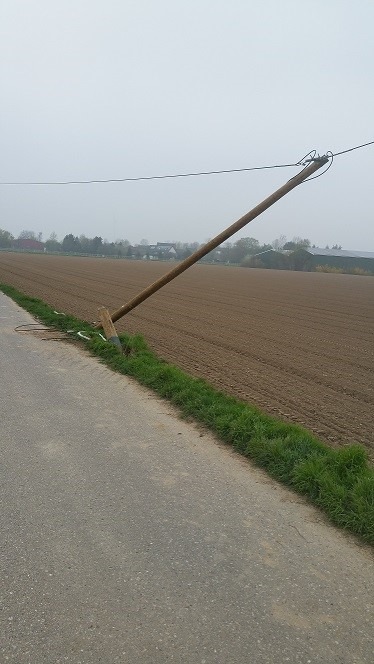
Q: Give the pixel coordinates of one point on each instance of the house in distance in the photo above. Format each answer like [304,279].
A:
[160,251]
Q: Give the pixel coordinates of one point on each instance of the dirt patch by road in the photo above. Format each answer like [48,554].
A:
[299,345]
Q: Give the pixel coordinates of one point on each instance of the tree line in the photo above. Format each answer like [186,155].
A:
[237,252]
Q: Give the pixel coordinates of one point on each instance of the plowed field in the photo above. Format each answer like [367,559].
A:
[299,345]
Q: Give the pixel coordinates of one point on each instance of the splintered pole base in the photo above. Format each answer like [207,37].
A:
[108,327]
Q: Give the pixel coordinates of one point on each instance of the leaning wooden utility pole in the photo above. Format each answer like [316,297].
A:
[212,244]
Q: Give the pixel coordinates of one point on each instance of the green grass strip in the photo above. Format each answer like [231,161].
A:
[339,481]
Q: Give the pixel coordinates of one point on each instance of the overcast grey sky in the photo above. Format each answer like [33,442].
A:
[108,89]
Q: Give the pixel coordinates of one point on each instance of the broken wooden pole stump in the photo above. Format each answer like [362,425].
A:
[108,327]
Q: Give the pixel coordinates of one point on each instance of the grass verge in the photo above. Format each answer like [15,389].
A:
[339,481]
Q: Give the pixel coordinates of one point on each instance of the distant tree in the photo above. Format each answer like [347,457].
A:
[6,239]
[246,246]
[180,249]
[52,244]
[122,243]
[279,242]
[85,244]
[336,246]
[302,243]
[71,243]
[27,235]
[97,244]
[242,250]
[297,243]
[185,249]
[144,242]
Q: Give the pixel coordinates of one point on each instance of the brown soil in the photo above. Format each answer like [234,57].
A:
[298,345]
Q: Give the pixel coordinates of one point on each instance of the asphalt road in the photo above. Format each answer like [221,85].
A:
[130,536]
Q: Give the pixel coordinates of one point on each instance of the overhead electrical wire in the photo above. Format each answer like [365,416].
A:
[357,147]
[311,156]
[153,177]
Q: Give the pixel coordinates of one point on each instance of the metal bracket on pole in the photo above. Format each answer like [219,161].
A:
[318,159]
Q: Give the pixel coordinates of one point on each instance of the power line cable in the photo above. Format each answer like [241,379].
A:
[310,156]
[151,177]
[357,147]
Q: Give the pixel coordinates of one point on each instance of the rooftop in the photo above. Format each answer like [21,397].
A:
[343,253]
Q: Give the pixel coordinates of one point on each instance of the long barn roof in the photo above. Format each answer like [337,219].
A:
[343,253]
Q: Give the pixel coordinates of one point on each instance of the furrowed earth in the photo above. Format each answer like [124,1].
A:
[298,345]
